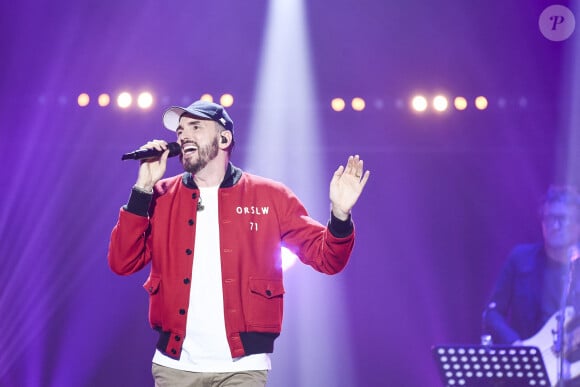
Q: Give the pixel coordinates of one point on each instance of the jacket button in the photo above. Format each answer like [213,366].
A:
[188,251]
[268,292]
[182,311]
[177,338]
[190,222]
[194,195]
[173,351]
[186,281]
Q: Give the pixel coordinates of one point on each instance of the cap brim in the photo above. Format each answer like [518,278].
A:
[172,115]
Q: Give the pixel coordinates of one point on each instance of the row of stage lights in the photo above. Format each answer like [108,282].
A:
[144,100]
[417,103]
[422,103]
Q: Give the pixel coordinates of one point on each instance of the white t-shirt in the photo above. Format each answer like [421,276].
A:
[205,348]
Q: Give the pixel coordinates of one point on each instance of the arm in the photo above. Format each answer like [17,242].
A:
[129,249]
[327,249]
[129,246]
[495,315]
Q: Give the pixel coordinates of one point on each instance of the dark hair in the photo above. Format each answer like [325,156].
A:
[562,193]
[566,194]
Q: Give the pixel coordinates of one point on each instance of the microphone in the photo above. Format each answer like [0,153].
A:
[140,154]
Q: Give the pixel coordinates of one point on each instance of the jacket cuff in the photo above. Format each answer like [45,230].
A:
[139,202]
[340,228]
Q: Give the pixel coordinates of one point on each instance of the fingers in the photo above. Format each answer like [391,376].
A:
[160,145]
[365,178]
[350,165]
[355,167]
[358,169]
[339,171]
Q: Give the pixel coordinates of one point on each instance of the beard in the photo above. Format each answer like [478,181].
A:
[204,156]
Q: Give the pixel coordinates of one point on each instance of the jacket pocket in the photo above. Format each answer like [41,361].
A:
[153,287]
[266,304]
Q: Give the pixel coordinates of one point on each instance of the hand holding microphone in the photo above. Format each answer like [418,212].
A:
[153,157]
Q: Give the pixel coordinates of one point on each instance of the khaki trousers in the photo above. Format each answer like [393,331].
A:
[170,377]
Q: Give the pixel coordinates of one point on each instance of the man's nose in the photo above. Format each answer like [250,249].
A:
[185,137]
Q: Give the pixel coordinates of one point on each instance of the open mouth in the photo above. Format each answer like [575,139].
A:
[188,148]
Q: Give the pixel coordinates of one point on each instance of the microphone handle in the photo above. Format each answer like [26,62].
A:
[140,154]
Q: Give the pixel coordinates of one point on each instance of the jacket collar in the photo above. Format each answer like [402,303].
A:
[231,178]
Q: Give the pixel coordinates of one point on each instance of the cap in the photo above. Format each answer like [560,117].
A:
[201,109]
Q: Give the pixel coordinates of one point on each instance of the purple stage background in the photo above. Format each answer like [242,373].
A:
[448,197]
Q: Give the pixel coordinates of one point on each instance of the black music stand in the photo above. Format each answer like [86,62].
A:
[486,366]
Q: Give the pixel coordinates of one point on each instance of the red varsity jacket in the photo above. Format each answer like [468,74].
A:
[256,217]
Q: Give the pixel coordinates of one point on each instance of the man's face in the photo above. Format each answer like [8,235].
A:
[199,142]
[560,225]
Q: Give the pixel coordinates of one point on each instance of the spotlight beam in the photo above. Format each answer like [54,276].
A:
[285,144]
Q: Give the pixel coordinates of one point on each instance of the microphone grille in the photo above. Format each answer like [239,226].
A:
[174,149]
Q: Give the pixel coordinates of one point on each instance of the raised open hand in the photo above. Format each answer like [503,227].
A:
[346,186]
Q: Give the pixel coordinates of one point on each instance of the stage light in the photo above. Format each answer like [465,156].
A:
[288,258]
[337,104]
[104,100]
[440,103]
[207,97]
[227,100]
[83,99]
[419,103]
[460,103]
[358,104]
[145,100]
[481,102]
[124,100]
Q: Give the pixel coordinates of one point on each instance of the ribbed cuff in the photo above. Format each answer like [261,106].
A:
[139,202]
[340,228]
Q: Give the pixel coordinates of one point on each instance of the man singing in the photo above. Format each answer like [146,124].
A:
[213,236]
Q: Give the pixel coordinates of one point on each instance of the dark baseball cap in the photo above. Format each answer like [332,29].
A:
[201,109]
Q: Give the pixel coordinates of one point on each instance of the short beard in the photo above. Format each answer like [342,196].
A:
[204,156]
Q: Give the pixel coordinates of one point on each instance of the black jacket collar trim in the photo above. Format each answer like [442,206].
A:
[231,178]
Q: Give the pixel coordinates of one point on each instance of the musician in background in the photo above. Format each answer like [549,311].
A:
[531,285]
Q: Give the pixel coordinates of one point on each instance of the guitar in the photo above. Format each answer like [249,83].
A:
[544,340]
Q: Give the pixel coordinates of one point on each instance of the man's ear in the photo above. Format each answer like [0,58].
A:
[225,138]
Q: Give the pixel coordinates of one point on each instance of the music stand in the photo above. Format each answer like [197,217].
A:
[485,366]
